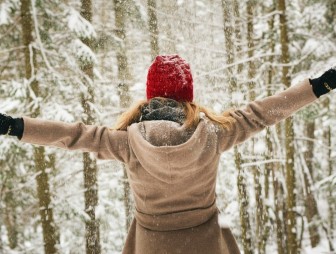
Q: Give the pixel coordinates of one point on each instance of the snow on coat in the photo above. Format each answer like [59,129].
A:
[172,172]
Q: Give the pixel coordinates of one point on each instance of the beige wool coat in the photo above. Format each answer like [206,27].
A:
[172,172]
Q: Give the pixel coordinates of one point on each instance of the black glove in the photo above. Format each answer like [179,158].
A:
[11,126]
[325,83]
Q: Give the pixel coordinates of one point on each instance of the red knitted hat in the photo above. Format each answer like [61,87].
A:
[170,77]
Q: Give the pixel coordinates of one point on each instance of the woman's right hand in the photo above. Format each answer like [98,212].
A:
[6,123]
[11,126]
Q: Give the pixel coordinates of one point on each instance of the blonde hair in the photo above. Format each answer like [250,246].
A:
[191,109]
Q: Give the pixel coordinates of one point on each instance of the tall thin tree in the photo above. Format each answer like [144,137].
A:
[310,201]
[332,200]
[330,17]
[153,28]
[10,216]
[124,78]
[50,235]
[274,168]
[243,197]
[237,31]
[260,216]
[92,233]
[292,246]
[168,45]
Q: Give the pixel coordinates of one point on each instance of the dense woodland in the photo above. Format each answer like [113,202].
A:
[87,61]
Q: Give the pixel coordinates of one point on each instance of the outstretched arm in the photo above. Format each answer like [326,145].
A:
[257,115]
[103,142]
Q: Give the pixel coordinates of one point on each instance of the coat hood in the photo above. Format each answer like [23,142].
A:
[167,151]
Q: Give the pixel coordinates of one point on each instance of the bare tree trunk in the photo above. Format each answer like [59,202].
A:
[273,167]
[331,198]
[1,243]
[270,152]
[330,15]
[10,219]
[124,78]
[8,208]
[250,43]
[104,21]
[241,180]
[251,84]
[192,27]
[269,167]
[229,44]
[280,202]
[228,32]
[243,208]
[153,28]
[279,210]
[50,236]
[261,212]
[237,31]
[92,234]
[290,171]
[170,9]
[310,202]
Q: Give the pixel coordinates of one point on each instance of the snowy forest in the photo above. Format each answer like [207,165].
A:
[87,61]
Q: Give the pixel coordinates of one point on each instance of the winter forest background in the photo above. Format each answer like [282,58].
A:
[87,61]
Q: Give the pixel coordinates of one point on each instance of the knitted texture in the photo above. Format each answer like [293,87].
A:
[163,109]
[170,77]
[11,126]
[325,83]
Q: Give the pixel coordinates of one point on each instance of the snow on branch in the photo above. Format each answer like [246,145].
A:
[6,7]
[257,163]
[79,25]
[4,14]
[38,35]
[83,52]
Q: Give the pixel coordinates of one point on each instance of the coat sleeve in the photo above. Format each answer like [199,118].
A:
[258,114]
[106,144]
